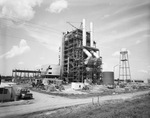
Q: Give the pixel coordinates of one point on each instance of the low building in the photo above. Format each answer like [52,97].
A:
[10,91]
[50,71]
[77,85]
[6,92]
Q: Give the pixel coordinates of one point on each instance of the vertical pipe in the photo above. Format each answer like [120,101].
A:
[98,101]
[68,65]
[28,75]
[62,56]
[93,100]
[126,67]
[129,68]
[12,76]
[59,56]
[119,68]
[15,75]
[91,34]
[20,74]
[84,33]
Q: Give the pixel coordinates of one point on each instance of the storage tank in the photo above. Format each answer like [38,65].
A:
[108,78]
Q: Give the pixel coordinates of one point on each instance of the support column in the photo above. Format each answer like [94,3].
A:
[84,33]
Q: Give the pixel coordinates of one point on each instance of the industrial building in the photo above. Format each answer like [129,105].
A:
[18,73]
[6,92]
[50,71]
[80,59]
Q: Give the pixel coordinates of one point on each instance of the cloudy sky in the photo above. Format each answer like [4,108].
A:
[31,31]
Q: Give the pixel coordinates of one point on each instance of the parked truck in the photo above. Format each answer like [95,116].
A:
[22,93]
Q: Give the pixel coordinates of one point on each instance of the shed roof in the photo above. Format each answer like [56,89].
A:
[4,85]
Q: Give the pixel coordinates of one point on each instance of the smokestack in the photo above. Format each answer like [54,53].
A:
[62,55]
[91,34]
[84,33]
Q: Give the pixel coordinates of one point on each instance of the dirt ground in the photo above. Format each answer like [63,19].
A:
[137,107]
[94,90]
[44,102]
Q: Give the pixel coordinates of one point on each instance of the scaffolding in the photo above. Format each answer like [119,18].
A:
[73,66]
[19,75]
[73,57]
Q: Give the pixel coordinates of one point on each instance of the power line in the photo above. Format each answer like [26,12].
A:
[28,23]
[8,35]
[33,27]
[1,24]
[29,29]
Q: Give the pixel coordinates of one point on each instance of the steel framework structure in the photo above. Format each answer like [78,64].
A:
[75,65]
[124,67]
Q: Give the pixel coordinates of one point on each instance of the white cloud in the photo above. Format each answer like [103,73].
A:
[17,50]
[57,6]
[18,9]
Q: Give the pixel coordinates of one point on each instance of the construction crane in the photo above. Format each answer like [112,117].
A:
[73,25]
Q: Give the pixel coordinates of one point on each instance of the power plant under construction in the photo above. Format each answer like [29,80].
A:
[80,59]
[68,58]
[79,68]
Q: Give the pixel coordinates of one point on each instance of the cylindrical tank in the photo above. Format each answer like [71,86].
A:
[108,78]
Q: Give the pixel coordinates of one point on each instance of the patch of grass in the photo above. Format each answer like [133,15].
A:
[135,108]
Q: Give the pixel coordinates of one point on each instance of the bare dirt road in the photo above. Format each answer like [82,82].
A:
[43,102]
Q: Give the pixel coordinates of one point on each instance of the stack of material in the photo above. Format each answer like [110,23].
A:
[50,88]
[53,87]
[60,87]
